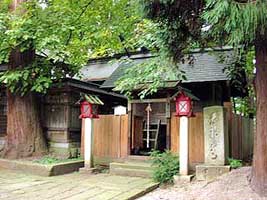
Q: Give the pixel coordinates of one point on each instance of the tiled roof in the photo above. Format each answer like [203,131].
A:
[97,71]
[110,82]
[205,68]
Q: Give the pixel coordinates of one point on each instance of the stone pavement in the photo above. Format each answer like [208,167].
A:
[18,186]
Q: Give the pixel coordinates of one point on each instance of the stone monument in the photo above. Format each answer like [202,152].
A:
[216,144]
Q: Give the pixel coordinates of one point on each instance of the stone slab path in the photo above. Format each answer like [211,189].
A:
[75,186]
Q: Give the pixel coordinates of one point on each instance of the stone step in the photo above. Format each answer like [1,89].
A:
[132,165]
[131,172]
[133,169]
[138,158]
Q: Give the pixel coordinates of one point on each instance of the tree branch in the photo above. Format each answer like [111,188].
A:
[245,1]
[78,18]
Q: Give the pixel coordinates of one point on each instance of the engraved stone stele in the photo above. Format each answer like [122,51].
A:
[216,135]
[216,144]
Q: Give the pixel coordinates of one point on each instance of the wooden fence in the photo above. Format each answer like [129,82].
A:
[241,136]
[241,133]
[110,137]
[196,138]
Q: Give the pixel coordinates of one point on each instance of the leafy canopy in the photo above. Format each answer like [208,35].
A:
[64,35]
[207,23]
[236,22]
[150,74]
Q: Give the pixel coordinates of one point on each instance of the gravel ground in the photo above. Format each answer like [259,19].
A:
[231,186]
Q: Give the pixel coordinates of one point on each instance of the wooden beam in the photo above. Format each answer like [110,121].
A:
[162,100]
[130,142]
[168,120]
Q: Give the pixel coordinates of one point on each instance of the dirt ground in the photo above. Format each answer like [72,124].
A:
[231,186]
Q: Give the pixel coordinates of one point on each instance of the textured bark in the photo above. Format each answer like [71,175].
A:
[259,169]
[24,132]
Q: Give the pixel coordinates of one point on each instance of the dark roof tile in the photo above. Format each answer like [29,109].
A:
[205,68]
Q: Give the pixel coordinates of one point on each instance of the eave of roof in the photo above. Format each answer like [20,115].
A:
[90,87]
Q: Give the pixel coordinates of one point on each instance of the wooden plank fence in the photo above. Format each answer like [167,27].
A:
[111,137]
[241,136]
[196,138]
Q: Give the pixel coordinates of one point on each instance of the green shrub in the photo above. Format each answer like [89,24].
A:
[166,165]
[234,163]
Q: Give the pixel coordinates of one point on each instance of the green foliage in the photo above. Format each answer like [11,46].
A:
[68,32]
[244,106]
[226,22]
[179,23]
[49,160]
[236,22]
[240,70]
[166,166]
[148,76]
[234,163]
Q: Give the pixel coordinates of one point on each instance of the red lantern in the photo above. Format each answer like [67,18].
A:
[89,110]
[183,105]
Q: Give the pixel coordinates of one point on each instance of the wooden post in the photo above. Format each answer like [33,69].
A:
[168,119]
[119,137]
[184,152]
[130,128]
[148,110]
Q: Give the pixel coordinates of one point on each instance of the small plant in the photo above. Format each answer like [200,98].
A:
[235,163]
[166,165]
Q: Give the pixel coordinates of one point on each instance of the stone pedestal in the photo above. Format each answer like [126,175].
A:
[216,144]
[86,170]
[210,172]
[182,179]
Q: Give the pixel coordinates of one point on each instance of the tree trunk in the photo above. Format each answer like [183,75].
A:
[24,131]
[259,167]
